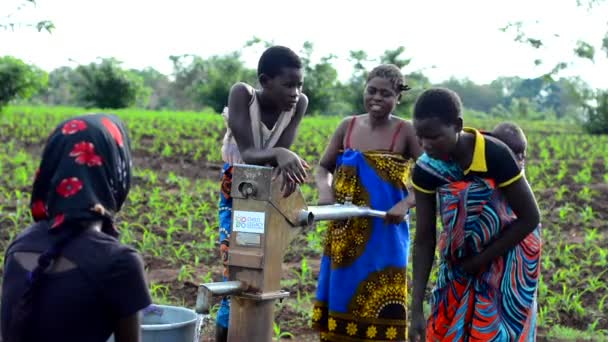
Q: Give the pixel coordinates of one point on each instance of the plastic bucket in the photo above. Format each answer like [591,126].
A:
[164,323]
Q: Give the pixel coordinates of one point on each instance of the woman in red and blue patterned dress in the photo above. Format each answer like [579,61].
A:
[490,244]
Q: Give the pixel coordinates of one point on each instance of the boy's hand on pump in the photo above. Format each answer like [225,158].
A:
[292,168]
[288,187]
[291,165]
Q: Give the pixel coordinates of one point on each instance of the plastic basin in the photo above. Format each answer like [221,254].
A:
[165,323]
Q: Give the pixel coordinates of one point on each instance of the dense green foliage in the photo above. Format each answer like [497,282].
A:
[19,80]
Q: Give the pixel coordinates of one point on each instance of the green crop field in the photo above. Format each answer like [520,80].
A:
[171,213]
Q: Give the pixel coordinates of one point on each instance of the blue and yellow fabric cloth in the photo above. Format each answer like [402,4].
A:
[362,286]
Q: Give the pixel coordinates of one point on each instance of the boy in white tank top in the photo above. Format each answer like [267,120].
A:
[262,125]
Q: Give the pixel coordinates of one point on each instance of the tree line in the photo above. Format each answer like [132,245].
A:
[198,83]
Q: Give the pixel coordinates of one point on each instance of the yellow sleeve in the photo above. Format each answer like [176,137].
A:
[512,180]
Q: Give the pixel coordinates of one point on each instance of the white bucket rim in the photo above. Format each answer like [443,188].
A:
[166,326]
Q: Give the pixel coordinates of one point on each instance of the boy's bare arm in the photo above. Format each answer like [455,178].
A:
[240,125]
[239,121]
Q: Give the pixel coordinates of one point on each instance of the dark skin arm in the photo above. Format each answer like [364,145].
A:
[292,167]
[327,164]
[413,150]
[424,255]
[240,125]
[128,329]
[521,199]
[285,142]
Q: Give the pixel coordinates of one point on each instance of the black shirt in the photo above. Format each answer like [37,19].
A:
[81,304]
[491,159]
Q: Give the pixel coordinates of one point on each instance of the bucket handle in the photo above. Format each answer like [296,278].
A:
[153,309]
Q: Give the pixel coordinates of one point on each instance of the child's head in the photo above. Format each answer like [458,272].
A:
[84,173]
[280,74]
[438,121]
[383,90]
[513,136]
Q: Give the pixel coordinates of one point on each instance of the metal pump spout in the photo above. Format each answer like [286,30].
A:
[209,290]
[336,212]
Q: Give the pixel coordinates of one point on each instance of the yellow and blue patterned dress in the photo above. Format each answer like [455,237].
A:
[362,287]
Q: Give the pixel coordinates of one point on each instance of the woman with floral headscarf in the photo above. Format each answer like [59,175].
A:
[67,277]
